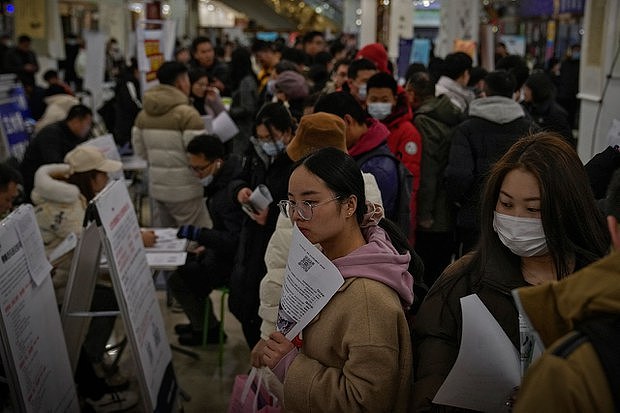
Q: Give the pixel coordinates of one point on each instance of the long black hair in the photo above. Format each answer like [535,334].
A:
[574,227]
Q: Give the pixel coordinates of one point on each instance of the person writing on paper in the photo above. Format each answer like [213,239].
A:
[538,223]
[581,331]
[356,354]
[60,196]
[266,163]
[192,283]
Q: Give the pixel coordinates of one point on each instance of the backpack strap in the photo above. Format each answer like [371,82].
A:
[604,334]
[569,344]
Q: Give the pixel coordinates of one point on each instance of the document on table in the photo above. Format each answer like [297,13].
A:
[167,241]
[310,281]
[487,367]
[166,259]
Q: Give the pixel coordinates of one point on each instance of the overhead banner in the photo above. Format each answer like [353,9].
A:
[155,46]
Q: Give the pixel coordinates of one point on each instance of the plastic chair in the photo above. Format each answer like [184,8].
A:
[205,330]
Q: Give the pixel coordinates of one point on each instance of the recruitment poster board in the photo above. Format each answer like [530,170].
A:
[34,354]
[135,292]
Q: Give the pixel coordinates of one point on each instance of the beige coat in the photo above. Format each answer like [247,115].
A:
[160,135]
[577,382]
[365,367]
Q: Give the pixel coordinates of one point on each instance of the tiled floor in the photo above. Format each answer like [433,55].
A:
[207,387]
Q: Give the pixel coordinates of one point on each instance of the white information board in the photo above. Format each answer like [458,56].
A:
[135,293]
[33,348]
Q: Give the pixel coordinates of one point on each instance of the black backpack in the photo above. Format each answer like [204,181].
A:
[603,332]
[402,217]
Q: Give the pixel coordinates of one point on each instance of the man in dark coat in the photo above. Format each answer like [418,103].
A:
[54,141]
[495,122]
[435,118]
[192,283]
[21,60]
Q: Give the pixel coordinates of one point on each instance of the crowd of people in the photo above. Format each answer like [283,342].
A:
[455,181]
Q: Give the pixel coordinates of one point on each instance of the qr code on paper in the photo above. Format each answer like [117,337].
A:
[306,263]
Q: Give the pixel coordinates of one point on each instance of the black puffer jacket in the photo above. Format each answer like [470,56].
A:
[249,267]
[223,238]
[494,124]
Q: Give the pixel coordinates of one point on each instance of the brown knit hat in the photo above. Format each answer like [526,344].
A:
[317,131]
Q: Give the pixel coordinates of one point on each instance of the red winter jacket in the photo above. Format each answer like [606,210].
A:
[406,143]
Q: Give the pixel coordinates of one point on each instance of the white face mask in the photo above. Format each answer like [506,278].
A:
[525,237]
[379,110]
[362,91]
[206,181]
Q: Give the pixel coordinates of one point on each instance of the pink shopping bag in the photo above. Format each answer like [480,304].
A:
[250,395]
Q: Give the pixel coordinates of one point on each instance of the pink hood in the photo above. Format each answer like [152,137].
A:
[379,261]
[376,134]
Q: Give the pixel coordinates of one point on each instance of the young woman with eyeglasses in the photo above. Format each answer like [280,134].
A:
[356,354]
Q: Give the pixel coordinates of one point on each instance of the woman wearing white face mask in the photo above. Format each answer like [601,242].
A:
[539,222]
[267,163]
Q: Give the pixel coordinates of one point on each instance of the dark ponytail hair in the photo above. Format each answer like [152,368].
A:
[343,176]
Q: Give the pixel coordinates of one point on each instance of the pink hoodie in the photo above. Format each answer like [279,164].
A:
[379,261]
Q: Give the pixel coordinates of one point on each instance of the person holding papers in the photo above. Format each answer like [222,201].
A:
[356,354]
[538,223]
[315,131]
[265,163]
[192,283]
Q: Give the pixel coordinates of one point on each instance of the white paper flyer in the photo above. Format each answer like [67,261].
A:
[310,281]
[487,367]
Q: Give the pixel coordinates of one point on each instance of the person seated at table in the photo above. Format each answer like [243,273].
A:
[60,195]
[192,283]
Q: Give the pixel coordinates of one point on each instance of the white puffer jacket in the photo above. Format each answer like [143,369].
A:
[160,135]
[59,210]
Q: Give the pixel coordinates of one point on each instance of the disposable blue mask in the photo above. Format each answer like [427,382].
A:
[379,110]
[272,148]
